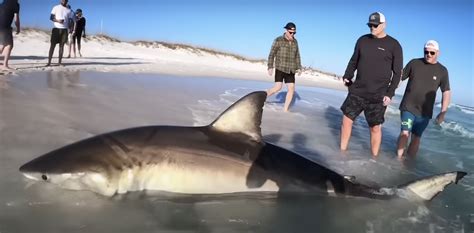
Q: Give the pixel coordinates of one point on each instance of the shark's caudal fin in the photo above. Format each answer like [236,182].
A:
[244,116]
[427,188]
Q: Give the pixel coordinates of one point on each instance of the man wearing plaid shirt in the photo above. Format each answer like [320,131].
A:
[285,58]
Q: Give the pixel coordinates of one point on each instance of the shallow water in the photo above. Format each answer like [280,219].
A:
[40,112]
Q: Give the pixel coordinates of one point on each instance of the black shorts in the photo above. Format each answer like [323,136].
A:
[59,35]
[6,36]
[282,76]
[374,111]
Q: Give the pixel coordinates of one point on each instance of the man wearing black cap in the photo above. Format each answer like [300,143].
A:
[378,60]
[285,58]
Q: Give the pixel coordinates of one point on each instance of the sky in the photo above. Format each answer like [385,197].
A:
[326,30]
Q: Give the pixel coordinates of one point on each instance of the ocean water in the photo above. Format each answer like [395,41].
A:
[40,112]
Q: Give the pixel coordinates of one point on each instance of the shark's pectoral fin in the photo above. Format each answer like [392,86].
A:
[243,117]
[428,188]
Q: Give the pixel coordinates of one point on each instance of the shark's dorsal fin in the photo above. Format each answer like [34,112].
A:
[244,116]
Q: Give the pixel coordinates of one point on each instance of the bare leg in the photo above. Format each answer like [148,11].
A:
[69,49]
[402,142]
[375,139]
[274,89]
[346,130]
[289,96]
[61,50]
[50,55]
[6,56]
[74,48]
[79,45]
[414,145]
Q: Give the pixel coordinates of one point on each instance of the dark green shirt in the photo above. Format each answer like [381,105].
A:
[284,55]
[424,79]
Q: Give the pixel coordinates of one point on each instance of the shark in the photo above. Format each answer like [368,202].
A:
[227,156]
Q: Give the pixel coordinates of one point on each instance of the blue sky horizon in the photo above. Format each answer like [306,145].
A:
[326,30]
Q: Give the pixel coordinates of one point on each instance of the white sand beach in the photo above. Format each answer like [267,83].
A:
[104,54]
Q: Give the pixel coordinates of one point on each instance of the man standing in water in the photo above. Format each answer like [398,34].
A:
[9,10]
[378,60]
[425,76]
[285,58]
[61,16]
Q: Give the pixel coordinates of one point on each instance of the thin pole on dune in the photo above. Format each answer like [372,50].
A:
[101,25]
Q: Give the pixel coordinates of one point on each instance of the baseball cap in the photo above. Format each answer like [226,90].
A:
[290,25]
[79,11]
[432,44]
[376,18]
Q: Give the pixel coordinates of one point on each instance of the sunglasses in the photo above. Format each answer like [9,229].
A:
[372,25]
[292,33]
[432,53]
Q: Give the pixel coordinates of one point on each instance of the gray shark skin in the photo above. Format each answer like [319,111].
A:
[227,156]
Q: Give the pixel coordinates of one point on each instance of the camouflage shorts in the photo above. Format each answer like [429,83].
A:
[374,111]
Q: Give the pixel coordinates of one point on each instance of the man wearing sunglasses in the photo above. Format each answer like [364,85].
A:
[378,60]
[425,75]
[285,58]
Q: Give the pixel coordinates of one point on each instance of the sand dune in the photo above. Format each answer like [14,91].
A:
[105,54]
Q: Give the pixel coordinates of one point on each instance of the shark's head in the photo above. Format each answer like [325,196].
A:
[73,167]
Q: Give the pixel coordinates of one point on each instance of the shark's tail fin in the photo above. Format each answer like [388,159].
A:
[244,116]
[427,188]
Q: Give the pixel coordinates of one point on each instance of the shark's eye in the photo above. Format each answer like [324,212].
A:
[44,177]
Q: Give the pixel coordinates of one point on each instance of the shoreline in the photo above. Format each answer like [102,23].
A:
[105,54]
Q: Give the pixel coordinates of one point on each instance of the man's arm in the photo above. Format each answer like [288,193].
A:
[53,18]
[406,71]
[352,65]
[298,60]
[271,57]
[84,30]
[397,69]
[446,100]
[17,22]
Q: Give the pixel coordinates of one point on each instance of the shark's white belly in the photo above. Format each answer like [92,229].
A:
[182,179]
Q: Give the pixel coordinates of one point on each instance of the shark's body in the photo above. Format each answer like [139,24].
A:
[228,156]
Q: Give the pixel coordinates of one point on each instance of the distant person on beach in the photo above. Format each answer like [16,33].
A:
[79,31]
[285,59]
[9,11]
[378,60]
[70,36]
[425,75]
[60,15]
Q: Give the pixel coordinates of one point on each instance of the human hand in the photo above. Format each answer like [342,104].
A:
[60,20]
[347,82]
[299,72]
[17,31]
[386,100]
[270,71]
[440,117]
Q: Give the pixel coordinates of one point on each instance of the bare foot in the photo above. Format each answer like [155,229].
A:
[8,68]
[49,64]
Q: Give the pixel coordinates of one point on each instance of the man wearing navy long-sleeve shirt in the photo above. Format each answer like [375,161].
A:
[378,59]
